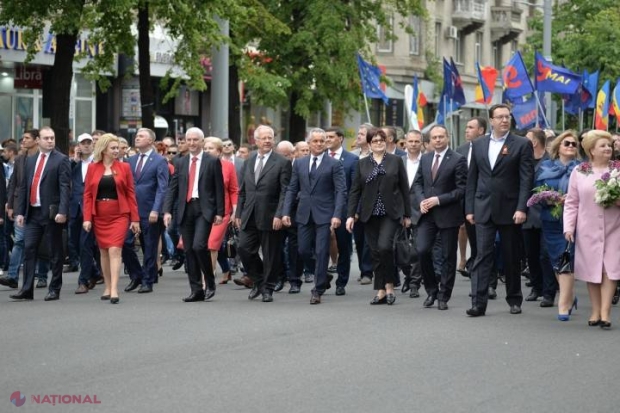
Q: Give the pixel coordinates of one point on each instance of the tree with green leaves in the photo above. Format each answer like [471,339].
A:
[313,58]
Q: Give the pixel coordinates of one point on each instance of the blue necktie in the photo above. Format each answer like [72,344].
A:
[313,168]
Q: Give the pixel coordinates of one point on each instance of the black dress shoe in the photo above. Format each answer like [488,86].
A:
[340,290]
[492,293]
[390,299]
[476,312]
[279,286]
[377,300]
[52,296]
[515,309]
[295,289]
[414,292]
[41,283]
[133,284]
[22,295]
[178,264]
[429,302]
[145,289]
[442,305]
[255,292]
[194,297]
[547,302]
[267,296]
[314,299]
[209,294]
[406,287]
[9,282]
[533,296]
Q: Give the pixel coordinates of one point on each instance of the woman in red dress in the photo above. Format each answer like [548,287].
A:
[213,146]
[109,206]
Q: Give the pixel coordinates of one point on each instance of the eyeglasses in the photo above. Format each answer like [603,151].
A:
[172,153]
[503,117]
[377,141]
[569,143]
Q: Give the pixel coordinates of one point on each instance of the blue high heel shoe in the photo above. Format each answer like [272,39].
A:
[564,317]
[575,301]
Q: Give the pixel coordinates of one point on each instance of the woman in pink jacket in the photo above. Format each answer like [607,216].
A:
[594,228]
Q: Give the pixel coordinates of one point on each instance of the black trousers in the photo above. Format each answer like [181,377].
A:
[380,232]
[473,247]
[39,225]
[294,265]
[195,230]
[510,236]
[427,235]
[264,272]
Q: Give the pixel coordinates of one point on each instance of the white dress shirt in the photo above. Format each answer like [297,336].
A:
[85,163]
[338,154]
[319,158]
[198,163]
[265,158]
[495,147]
[412,167]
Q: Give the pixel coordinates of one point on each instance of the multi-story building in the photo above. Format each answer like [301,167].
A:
[468,31]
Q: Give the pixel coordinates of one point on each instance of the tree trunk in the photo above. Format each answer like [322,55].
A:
[297,124]
[62,75]
[144,64]
[234,105]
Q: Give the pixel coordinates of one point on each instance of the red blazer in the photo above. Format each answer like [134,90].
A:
[231,188]
[123,179]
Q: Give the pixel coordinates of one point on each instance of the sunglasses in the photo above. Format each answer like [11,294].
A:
[569,144]
[226,145]
[172,153]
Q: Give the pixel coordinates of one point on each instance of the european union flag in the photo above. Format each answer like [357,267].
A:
[517,82]
[445,107]
[458,95]
[370,76]
[555,79]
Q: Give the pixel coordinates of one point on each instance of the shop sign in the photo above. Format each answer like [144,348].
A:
[28,77]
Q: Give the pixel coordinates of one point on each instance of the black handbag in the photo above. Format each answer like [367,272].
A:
[232,235]
[405,249]
[564,264]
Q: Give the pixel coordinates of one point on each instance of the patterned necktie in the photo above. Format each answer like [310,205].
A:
[332,154]
[139,168]
[435,167]
[34,189]
[192,176]
[259,168]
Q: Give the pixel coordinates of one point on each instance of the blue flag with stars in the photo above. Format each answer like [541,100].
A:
[370,76]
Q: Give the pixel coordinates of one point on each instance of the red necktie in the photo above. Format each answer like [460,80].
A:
[435,167]
[139,168]
[192,176]
[35,181]
[332,154]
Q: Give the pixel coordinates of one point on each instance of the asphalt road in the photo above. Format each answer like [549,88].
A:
[154,353]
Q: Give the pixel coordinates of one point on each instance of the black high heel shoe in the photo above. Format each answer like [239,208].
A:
[605,325]
[114,300]
[594,323]
[105,297]
[377,300]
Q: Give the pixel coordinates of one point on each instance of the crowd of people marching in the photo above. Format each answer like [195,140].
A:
[539,205]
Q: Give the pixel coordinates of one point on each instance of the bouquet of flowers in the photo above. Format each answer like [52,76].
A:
[608,187]
[544,194]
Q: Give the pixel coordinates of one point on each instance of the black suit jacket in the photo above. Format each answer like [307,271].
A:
[393,186]
[449,186]
[463,150]
[54,185]
[496,194]
[210,187]
[265,198]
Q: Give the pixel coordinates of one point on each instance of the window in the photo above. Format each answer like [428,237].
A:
[458,47]
[514,46]
[478,47]
[384,34]
[414,38]
[438,39]
[497,55]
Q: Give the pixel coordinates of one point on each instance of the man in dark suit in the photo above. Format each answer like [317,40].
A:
[197,186]
[150,176]
[475,128]
[344,239]
[498,187]
[262,190]
[319,182]
[228,154]
[81,241]
[439,187]
[392,148]
[43,206]
[413,273]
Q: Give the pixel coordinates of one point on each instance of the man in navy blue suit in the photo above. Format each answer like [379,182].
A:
[344,239]
[82,242]
[42,207]
[319,183]
[151,175]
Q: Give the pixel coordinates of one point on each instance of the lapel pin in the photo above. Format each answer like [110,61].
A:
[505,150]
